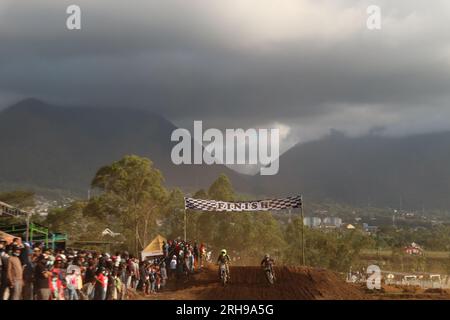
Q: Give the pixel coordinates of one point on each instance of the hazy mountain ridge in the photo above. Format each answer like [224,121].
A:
[62,147]
[408,172]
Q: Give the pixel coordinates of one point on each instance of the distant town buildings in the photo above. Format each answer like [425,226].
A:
[369,229]
[312,222]
[332,222]
[337,223]
[43,205]
[328,222]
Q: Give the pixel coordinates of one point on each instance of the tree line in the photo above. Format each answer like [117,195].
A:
[129,197]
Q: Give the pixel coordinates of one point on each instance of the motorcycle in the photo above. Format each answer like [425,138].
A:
[270,277]
[223,274]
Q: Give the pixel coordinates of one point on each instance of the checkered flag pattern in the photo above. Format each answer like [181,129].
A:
[285,203]
[257,205]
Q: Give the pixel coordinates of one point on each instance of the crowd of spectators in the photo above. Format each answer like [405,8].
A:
[183,258]
[33,272]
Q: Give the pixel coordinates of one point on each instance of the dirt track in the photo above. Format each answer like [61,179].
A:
[292,284]
[249,283]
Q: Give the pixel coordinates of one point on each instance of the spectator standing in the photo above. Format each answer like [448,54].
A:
[191,262]
[28,272]
[173,266]
[152,279]
[196,255]
[90,280]
[202,254]
[165,247]
[143,277]
[41,279]
[101,284]
[15,274]
[72,285]
[117,287]
[123,278]
[163,272]
[180,266]
[57,281]
[158,278]
[110,292]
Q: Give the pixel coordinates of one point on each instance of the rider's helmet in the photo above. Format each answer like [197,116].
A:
[223,252]
[267,256]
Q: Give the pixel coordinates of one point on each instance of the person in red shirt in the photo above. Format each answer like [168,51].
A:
[101,285]
[55,281]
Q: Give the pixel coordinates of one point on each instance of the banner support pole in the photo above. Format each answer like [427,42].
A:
[303,230]
[185,224]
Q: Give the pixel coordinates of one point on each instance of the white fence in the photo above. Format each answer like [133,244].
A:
[404,279]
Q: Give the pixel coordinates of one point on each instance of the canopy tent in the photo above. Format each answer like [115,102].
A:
[155,248]
[9,238]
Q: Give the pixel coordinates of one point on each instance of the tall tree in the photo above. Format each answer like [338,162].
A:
[72,221]
[131,190]
[219,225]
[221,189]
[173,214]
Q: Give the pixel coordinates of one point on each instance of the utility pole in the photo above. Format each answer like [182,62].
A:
[27,236]
[185,220]
[303,231]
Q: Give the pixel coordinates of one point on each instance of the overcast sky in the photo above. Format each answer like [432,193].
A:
[303,66]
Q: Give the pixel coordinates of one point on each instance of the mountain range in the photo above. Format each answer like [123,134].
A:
[62,147]
[399,172]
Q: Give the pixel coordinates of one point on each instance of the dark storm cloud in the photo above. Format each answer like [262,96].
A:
[310,65]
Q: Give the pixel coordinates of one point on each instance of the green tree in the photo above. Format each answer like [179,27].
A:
[221,224]
[72,221]
[221,189]
[201,194]
[132,191]
[173,215]
[293,251]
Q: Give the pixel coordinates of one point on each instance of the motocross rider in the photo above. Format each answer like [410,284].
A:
[267,263]
[225,259]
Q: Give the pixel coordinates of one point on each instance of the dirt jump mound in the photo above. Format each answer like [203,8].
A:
[294,283]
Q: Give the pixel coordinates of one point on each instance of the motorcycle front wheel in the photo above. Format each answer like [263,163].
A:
[269,277]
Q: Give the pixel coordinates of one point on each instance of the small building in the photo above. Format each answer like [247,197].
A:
[369,229]
[332,222]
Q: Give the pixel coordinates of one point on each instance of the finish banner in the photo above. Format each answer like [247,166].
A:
[257,205]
